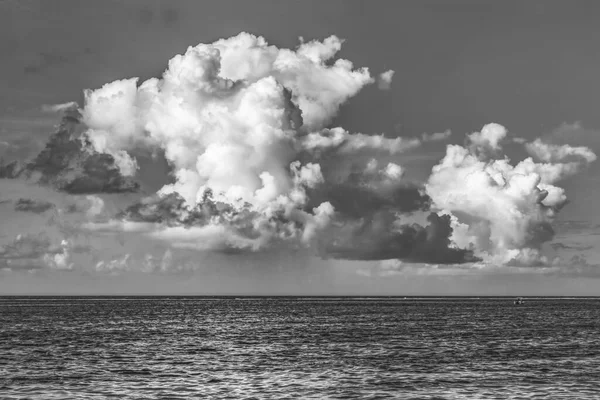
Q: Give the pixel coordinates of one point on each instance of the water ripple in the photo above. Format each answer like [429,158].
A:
[287,348]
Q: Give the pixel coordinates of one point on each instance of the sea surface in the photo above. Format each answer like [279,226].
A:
[298,348]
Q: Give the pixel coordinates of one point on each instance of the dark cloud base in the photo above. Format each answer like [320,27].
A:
[378,239]
[35,206]
[68,164]
[356,201]
[370,237]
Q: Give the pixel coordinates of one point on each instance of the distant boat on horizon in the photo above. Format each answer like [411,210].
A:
[519,301]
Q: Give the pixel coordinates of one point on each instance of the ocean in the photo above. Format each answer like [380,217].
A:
[298,348]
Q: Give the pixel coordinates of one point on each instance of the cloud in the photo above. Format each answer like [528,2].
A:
[114,266]
[164,263]
[358,200]
[569,228]
[31,252]
[563,246]
[59,258]
[94,206]
[70,165]
[233,119]
[244,126]
[574,266]
[437,136]
[503,211]
[487,143]
[389,268]
[384,80]
[256,165]
[10,170]
[215,225]
[574,134]
[59,108]
[554,153]
[340,141]
[569,149]
[49,228]
[381,237]
[36,206]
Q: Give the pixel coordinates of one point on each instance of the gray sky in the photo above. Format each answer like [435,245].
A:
[530,66]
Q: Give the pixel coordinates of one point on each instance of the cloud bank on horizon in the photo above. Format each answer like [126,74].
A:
[256,166]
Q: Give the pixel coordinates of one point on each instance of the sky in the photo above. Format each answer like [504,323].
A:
[454,152]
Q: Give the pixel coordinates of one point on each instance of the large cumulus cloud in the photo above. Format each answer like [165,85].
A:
[256,165]
[503,211]
[244,126]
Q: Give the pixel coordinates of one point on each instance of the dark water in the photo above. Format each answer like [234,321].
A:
[182,348]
